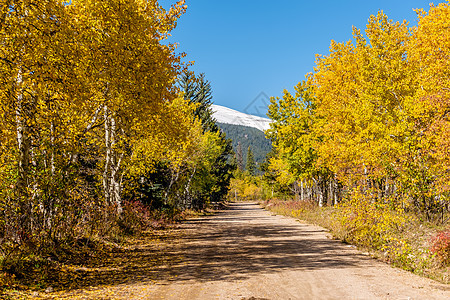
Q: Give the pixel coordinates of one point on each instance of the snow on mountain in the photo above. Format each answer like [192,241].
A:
[230,116]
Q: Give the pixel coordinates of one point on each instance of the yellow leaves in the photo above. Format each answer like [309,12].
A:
[360,91]
[168,136]
[370,223]
[279,167]
[245,187]
[429,52]
[176,138]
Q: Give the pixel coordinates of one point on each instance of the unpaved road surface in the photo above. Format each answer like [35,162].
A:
[247,253]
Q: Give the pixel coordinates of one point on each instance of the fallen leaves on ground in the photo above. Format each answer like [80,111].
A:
[138,259]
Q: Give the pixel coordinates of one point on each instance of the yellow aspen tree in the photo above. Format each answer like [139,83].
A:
[429,52]
[294,140]
[335,82]
[388,83]
[131,73]
[362,91]
[32,48]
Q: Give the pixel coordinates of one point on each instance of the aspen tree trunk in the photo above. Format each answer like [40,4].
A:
[296,193]
[302,191]
[111,186]
[336,194]
[22,139]
[35,197]
[330,192]
[187,193]
[116,159]
[173,179]
[337,190]
[47,206]
[309,192]
[106,174]
[24,145]
[386,188]
[324,190]
[317,193]
[52,146]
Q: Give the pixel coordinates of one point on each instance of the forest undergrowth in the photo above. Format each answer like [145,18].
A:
[89,262]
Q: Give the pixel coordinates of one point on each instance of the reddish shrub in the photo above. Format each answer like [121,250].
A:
[440,246]
[135,216]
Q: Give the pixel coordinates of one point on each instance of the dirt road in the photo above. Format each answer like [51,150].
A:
[247,253]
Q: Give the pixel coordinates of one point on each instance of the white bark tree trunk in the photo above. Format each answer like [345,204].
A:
[111,184]
[106,173]
[302,191]
[24,146]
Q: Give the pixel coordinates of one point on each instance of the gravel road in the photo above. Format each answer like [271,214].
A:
[246,253]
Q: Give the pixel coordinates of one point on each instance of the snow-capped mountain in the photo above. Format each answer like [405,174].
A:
[230,116]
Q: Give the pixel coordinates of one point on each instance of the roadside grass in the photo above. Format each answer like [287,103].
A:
[402,240]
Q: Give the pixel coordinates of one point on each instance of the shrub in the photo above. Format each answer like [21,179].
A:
[6,280]
[370,222]
[440,247]
[135,217]
[399,252]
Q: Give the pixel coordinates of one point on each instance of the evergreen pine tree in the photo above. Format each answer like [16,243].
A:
[251,166]
[198,90]
[239,157]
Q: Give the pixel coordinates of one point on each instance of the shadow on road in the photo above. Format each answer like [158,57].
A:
[234,244]
[244,240]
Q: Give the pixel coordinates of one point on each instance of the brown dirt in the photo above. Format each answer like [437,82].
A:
[246,253]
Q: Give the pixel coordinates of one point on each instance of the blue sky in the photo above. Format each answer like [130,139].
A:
[248,49]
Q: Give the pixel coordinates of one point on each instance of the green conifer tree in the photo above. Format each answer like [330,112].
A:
[239,157]
[250,166]
[198,90]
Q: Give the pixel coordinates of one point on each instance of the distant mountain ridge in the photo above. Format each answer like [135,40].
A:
[248,136]
[227,115]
